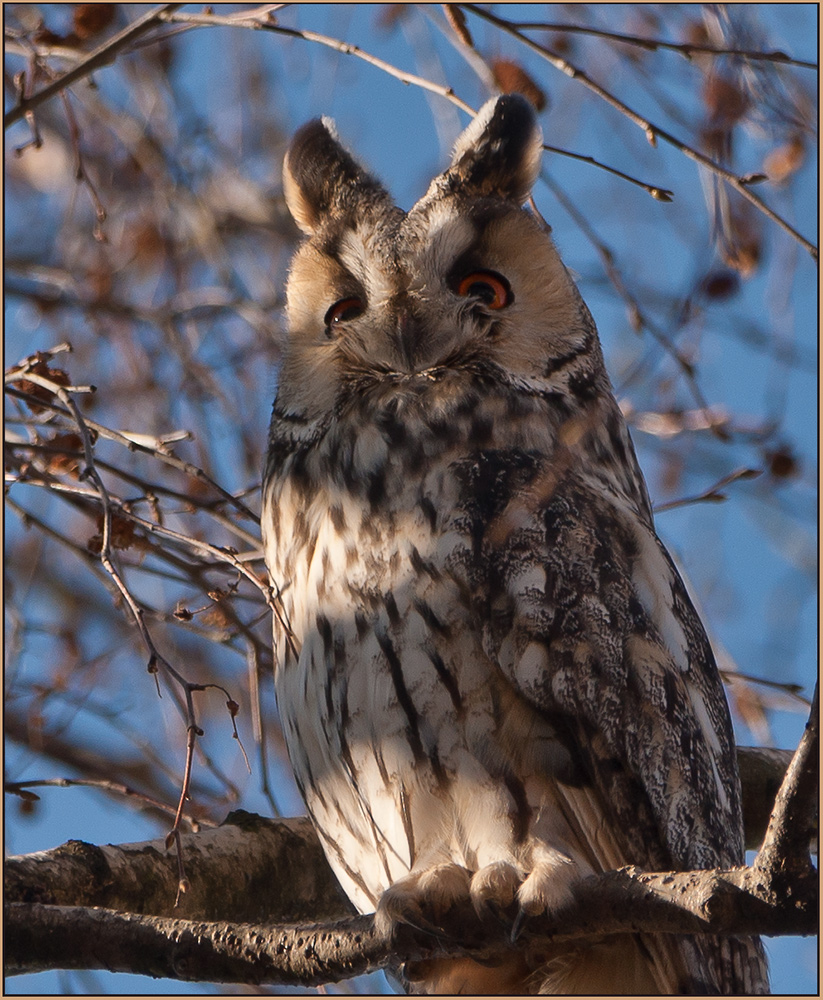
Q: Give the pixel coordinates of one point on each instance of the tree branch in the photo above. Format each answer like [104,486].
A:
[285,876]
[686,49]
[653,132]
[217,933]
[786,845]
[718,902]
[102,56]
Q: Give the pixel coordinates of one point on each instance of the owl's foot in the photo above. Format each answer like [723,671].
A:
[547,888]
[422,898]
[494,888]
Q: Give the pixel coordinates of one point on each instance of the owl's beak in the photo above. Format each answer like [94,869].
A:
[408,341]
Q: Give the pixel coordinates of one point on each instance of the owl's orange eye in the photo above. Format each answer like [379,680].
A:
[488,286]
[343,310]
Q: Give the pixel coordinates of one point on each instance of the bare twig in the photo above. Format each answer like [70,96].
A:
[658,193]
[115,787]
[102,56]
[132,445]
[80,173]
[653,132]
[638,317]
[686,49]
[346,48]
[24,373]
[710,495]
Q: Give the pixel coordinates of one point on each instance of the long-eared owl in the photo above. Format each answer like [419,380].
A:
[495,683]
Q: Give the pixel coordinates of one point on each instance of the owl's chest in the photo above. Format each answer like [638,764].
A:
[334,552]
[398,501]
[396,716]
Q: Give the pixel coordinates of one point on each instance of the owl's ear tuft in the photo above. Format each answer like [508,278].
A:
[500,152]
[322,180]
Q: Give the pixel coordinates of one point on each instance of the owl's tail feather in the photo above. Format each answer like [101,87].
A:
[658,965]
[465,977]
[625,965]
[617,966]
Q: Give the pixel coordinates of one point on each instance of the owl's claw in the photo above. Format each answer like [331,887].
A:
[518,925]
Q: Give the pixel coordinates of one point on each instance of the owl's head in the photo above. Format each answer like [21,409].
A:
[467,281]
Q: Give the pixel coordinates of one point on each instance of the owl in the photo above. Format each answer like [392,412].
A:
[494,684]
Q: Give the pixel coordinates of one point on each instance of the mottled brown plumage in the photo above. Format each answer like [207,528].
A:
[498,684]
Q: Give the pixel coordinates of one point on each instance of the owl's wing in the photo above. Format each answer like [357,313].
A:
[590,621]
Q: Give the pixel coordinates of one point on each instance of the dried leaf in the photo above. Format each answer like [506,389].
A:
[748,705]
[123,535]
[216,617]
[742,243]
[92,18]
[511,78]
[783,463]
[26,795]
[720,284]
[457,20]
[725,102]
[41,368]
[70,453]
[390,14]
[785,160]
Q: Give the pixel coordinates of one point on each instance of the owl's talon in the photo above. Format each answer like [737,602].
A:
[518,925]
[493,910]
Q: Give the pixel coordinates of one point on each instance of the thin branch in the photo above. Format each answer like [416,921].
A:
[20,788]
[102,56]
[785,848]
[81,175]
[150,489]
[107,559]
[686,49]
[638,318]
[346,48]
[712,494]
[658,193]
[129,442]
[653,132]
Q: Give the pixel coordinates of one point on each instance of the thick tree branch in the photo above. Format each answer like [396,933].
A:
[252,870]
[249,869]
[721,902]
